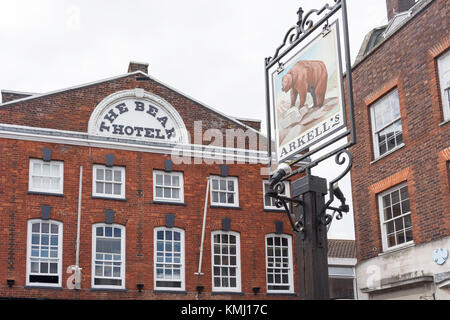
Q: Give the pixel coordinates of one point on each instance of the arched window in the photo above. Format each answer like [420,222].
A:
[108,256]
[169,259]
[44,253]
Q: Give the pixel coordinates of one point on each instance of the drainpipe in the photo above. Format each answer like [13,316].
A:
[199,273]
[77,268]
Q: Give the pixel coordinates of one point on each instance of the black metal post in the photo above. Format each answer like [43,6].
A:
[311,243]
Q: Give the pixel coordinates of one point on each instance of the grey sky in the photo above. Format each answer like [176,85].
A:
[212,50]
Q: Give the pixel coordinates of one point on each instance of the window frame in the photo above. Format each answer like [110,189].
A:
[181,187]
[290,263]
[29,251]
[104,195]
[60,190]
[444,89]
[375,131]
[287,193]
[383,223]
[182,259]
[238,287]
[235,192]
[122,253]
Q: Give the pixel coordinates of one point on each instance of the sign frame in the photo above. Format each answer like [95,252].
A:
[293,43]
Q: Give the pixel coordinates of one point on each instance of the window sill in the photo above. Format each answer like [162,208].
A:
[224,207]
[444,122]
[169,203]
[238,293]
[170,291]
[106,198]
[284,294]
[43,287]
[388,153]
[109,289]
[41,193]
[398,248]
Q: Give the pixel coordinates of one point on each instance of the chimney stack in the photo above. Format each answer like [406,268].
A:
[138,66]
[397,6]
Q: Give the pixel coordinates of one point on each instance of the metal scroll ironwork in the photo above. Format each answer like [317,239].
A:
[325,219]
[305,25]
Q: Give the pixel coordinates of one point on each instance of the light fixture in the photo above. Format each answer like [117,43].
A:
[200,289]
[256,290]
[140,286]
[10,282]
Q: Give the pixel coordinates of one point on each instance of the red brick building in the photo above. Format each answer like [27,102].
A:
[400,176]
[138,152]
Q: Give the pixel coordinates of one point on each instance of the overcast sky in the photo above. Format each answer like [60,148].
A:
[212,50]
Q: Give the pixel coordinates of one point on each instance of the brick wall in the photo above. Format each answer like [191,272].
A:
[406,61]
[137,213]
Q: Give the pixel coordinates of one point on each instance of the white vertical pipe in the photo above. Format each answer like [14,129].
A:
[77,257]
[203,230]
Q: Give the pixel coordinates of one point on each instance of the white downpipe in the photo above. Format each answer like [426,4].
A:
[203,230]
[77,257]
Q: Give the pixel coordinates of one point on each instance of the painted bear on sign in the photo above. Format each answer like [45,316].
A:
[307,76]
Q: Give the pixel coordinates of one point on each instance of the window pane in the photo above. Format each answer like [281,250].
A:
[159,179]
[46,170]
[100,175]
[175,181]
[117,176]
[108,174]
[167,180]
[37,169]
[55,170]
[108,231]
[99,187]
[117,189]
[108,188]
[167,193]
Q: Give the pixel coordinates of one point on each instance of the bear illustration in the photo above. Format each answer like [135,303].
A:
[306,76]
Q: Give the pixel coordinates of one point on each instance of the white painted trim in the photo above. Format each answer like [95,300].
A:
[238,287]
[60,255]
[386,248]
[83,139]
[291,265]
[235,192]
[180,175]
[61,176]
[104,195]
[182,259]
[122,253]
[333,261]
